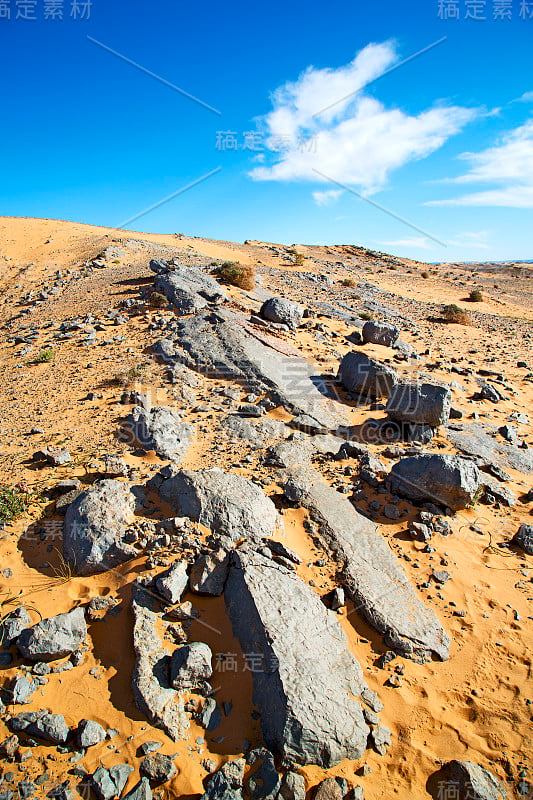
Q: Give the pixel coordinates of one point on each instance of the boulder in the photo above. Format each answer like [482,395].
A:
[226,783]
[370,571]
[172,584]
[307,707]
[191,665]
[22,689]
[292,787]
[286,312]
[421,403]
[468,781]
[366,376]
[380,333]
[141,791]
[95,527]
[524,539]
[449,481]
[89,733]
[54,637]
[189,289]
[42,725]
[160,429]
[12,626]
[109,783]
[226,503]
[158,767]
[264,782]
[328,789]
[209,573]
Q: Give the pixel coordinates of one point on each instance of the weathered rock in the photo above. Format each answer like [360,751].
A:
[221,346]
[475,441]
[258,432]
[141,791]
[191,665]
[307,713]
[109,783]
[292,787]
[95,527]
[286,312]
[448,480]
[54,637]
[422,403]
[371,572]
[172,583]
[152,690]
[89,733]
[12,626]
[381,739]
[209,573]
[189,289]
[158,767]
[380,333]
[42,725]
[469,781]
[227,503]
[22,689]
[226,784]
[160,429]
[211,715]
[366,376]
[524,539]
[264,782]
[305,423]
[328,789]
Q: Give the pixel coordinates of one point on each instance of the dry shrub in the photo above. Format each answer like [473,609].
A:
[241,275]
[456,314]
[425,275]
[476,296]
[351,282]
[158,300]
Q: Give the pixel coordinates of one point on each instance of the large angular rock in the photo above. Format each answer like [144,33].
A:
[366,376]
[228,504]
[12,626]
[54,637]
[209,573]
[172,583]
[286,312]
[222,346]
[380,333]
[189,289]
[95,527]
[109,783]
[446,480]
[371,572]
[191,665]
[160,429]
[152,690]
[141,791]
[475,441]
[304,683]
[158,767]
[42,725]
[523,539]
[421,403]
[469,781]
[89,733]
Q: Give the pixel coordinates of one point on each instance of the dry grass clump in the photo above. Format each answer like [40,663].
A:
[158,300]
[365,315]
[425,274]
[456,314]
[476,296]
[129,375]
[45,355]
[351,282]
[236,274]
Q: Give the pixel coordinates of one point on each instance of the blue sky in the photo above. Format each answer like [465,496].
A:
[308,127]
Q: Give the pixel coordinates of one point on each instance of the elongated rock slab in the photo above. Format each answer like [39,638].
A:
[306,677]
[372,573]
[151,685]
[219,347]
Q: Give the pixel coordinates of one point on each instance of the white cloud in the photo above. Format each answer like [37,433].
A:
[475,239]
[410,241]
[328,197]
[508,165]
[358,140]
[527,97]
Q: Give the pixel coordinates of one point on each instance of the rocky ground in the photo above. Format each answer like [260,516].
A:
[262,547]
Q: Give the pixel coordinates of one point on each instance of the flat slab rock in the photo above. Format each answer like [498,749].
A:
[304,685]
[475,441]
[218,346]
[154,695]
[227,503]
[54,637]
[160,429]
[189,289]
[95,525]
[371,571]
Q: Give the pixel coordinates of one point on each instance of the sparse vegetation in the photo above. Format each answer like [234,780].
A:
[350,282]
[425,274]
[158,300]
[299,259]
[130,375]
[45,355]
[456,314]
[13,503]
[366,315]
[236,274]
[476,296]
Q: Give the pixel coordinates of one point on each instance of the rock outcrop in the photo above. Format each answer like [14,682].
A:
[366,376]
[188,289]
[160,429]
[449,481]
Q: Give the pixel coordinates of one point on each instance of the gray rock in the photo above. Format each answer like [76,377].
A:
[524,539]
[109,783]
[95,528]
[150,747]
[381,739]
[42,725]
[308,714]
[191,665]
[89,733]
[172,584]
[448,480]
[189,289]
[366,376]
[227,782]
[209,573]
[54,637]
[380,333]
[258,432]
[152,690]
[328,789]
[305,423]
[292,787]
[22,689]
[422,403]
[496,490]
[141,791]
[475,441]
[160,429]
[211,715]
[286,312]
[265,782]
[469,781]
[371,572]
[158,767]
[371,699]
[228,504]
[221,346]
[12,626]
